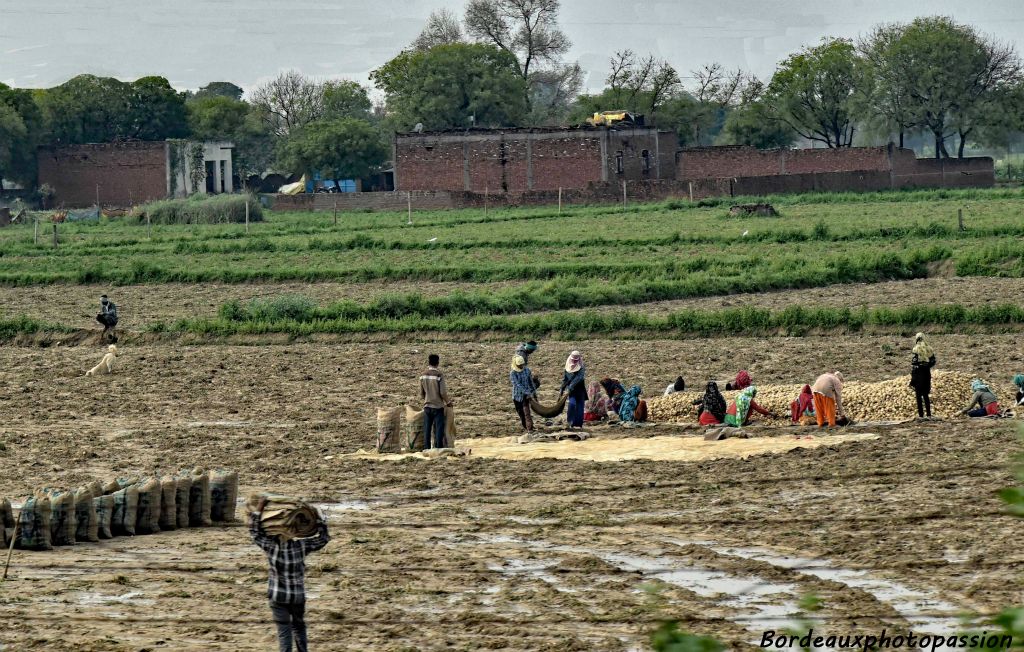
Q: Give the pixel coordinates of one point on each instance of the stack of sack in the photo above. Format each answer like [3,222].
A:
[285,517]
[389,429]
[120,507]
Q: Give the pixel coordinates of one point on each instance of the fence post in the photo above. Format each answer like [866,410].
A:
[35,231]
[54,235]
[960,218]
[623,193]
[690,183]
[335,211]
[408,197]
[149,226]
[559,200]
[485,201]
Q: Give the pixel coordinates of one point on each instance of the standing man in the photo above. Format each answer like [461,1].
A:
[107,316]
[286,586]
[524,350]
[434,393]
[828,398]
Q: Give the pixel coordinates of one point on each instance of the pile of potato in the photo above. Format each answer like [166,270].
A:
[888,400]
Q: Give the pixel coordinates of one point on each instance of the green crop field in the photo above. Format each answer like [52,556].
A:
[539,271]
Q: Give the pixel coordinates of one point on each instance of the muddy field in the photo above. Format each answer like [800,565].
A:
[471,553]
[140,305]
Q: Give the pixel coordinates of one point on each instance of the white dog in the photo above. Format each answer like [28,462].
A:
[106,365]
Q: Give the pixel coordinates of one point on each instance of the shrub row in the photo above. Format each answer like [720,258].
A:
[200,209]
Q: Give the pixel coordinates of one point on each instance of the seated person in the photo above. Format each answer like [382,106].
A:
[743,407]
[1018,380]
[983,397]
[802,409]
[678,386]
[742,381]
[615,391]
[711,407]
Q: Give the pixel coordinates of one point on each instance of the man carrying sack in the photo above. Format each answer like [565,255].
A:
[286,557]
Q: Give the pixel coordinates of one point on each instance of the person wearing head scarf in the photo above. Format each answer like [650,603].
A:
[573,385]
[525,349]
[922,360]
[523,390]
[828,398]
[983,397]
[596,407]
[1018,380]
[743,408]
[678,385]
[803,406]
[711,407]
[630,401]
[615,390]
[742,381]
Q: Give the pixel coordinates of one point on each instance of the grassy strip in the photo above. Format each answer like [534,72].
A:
[794,321]
[23,325]
[565,295]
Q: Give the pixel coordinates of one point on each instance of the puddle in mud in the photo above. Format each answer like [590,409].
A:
[341,506]
[132,597]
[942,617]
[535,569]
[236,424]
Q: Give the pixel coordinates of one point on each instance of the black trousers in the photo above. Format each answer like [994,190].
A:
[924,403]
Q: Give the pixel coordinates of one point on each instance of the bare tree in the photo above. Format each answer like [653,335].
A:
[527,29]
[713,84]
[554,91]
[442,28]
[289,101]
[642,82]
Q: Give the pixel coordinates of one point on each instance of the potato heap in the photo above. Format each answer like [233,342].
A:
[888,400]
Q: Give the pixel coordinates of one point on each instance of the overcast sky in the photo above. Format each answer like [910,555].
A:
[192,42]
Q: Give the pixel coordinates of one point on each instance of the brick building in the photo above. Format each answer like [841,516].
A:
[520,160]
[126,173]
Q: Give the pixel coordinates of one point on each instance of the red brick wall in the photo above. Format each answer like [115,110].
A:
[725,162]
[565,162]
[435,164]
[126,173]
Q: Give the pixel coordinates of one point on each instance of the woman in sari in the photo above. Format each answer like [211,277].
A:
[596,407]
[802,409]
[740,411]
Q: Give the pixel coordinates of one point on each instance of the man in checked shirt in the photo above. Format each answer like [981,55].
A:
[286,587]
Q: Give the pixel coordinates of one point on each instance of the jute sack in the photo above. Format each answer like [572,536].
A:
[168,503]
[285,517]
[199,500]
[223,495]
[34,525]
[124,516]
[182,494]
[111,486]
[148,513]
[549,411]
[413,429]
[87,525]
[389,426]
[104,506]
[449,427]
[63,521]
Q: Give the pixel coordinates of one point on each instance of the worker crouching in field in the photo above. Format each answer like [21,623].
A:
[921,362]
[828,398]
[434,392]
[573,385]
[742,381]
[286,585]
[596,407]
[740,410]
[678,386]
[801,411]
[108,317]
[1018,380]
[615,392]
[988,404]
[522,390]
[711,407]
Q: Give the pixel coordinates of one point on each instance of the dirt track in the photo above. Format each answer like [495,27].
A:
[538,555]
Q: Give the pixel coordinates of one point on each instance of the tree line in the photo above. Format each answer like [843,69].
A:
[932,83]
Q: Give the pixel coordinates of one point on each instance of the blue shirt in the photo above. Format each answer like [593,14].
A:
[522,383]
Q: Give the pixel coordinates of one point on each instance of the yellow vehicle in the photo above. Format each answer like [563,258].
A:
[609,118]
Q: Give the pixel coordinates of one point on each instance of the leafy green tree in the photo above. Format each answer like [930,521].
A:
[21,130]
[887,104]
[346,99]
[347,148]
[752,125]
[955,81]
[815,92]
[219,89]
[155,111]
[454,85]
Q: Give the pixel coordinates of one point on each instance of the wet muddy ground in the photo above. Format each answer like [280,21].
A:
[473,553]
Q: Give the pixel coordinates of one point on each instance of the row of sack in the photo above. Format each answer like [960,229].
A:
[120,507]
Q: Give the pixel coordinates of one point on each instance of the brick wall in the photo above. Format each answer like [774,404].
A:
[724,162]
[524,159]
[972,172]
[353,201]
[127,173]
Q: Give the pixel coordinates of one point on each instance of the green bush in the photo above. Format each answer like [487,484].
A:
[201,209]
